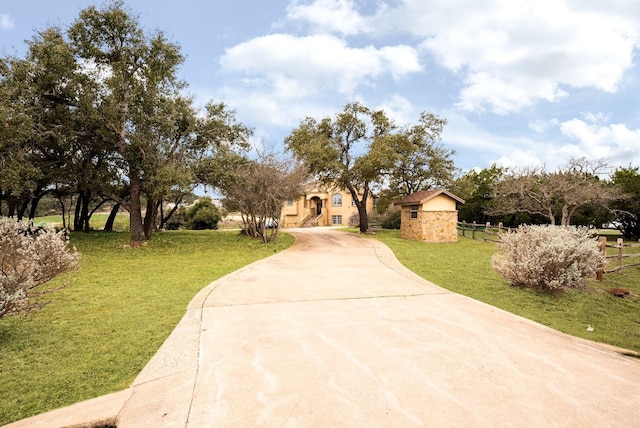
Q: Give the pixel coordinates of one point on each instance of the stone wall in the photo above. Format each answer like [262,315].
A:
[410,228]
[430,226]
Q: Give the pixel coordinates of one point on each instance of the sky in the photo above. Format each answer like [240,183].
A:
[521,83]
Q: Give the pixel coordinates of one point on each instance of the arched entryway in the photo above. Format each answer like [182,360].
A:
[316,206]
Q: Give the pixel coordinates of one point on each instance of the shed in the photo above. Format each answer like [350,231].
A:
[430,216]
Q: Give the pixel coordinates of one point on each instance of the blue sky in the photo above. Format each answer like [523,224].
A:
[521,83]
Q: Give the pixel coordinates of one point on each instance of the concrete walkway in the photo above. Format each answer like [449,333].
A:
[335,332]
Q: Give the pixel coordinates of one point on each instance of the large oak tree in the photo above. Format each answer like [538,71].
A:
[359,148]
[138,72]
[346,151]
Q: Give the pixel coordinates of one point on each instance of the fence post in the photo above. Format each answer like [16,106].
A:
[620,250]
[603,249]
[464,227]
[499,227]
[487,226]
[473,232]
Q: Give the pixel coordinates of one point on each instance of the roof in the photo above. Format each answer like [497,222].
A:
[422,197]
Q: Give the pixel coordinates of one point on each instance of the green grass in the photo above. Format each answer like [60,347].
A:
[98,333]
[465,267]
[97,222]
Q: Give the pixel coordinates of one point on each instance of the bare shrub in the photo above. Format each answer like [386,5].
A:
[259,189]
[550,258]
[30,257]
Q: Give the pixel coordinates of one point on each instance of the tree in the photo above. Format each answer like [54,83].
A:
[18,175]
[476,188]
[30,257]
[62,150]
[420,161]
[42,90]
[360,148]
[554,195]
[186,145]
[167,164]
[348,151]
[137,73]
[628,207]
[258,190]
[99,116]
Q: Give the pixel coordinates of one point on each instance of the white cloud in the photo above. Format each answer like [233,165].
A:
[399,109]
[596,140]
[503,56]
[504,95]
[509,53]
[302,66]
[512,55]
[542,126]
[590,136]
[6,23]
[338,16]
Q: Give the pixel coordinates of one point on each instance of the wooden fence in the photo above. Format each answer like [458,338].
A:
[617,258]
[620,259]
[485,232]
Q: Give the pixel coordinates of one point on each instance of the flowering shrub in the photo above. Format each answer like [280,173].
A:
[550,258]
[29,257]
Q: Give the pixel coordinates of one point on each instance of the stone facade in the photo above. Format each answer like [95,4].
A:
[429,216]
[430,226]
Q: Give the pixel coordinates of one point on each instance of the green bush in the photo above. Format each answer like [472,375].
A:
[391,219]
[203,215]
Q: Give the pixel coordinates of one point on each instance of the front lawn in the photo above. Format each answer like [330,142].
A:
[98,333]
[465,267]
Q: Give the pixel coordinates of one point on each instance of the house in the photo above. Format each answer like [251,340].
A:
[430,216]
[321,205]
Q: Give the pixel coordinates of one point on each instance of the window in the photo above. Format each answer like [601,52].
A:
[414,211]
[290,202]
[336,200]
[336,219]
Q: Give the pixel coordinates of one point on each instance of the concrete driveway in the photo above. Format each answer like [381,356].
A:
[335,332]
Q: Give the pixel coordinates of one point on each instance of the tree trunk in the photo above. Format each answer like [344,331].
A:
[35,200]
[12,204]
[362,207]
[108,227]
[364,217]
[165,219]
[551,217]
[135,212]
[84,213]
[81,222]
[150,217]
[22,208]
[565,216]
[34,205]
[64,214]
